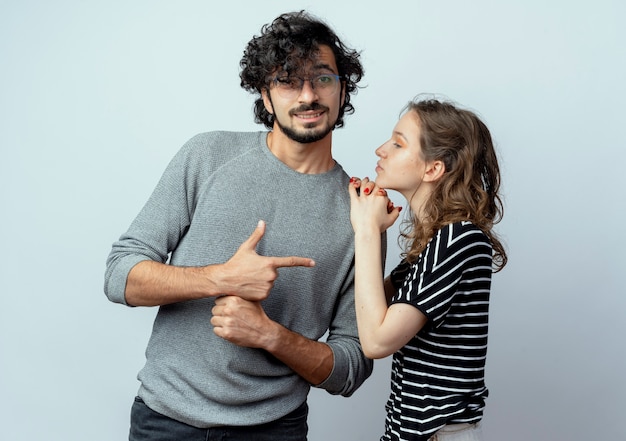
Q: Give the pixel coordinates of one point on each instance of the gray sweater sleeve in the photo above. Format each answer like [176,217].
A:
[351,367]
[160,224]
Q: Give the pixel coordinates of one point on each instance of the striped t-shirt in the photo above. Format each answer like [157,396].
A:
[437,378]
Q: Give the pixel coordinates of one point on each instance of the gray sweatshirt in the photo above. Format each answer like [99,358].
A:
[208,201]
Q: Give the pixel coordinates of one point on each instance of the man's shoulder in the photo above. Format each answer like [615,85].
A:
[217,147]
[230,139]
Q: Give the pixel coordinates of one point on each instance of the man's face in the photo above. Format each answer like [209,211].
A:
[307,114]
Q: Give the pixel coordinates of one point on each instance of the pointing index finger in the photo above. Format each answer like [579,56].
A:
[290,261]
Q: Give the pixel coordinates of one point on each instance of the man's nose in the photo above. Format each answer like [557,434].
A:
[308,93]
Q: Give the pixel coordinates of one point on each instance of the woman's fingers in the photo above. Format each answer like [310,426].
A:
[367,186]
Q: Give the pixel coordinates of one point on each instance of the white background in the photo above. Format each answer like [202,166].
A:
[96,97]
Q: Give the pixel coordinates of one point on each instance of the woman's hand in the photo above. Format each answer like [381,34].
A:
[370,207]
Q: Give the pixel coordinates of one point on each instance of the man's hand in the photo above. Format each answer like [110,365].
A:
[251,276]
[246,274]
[241,322]
[245,323]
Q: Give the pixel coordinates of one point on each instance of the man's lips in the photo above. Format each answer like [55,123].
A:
[308,115]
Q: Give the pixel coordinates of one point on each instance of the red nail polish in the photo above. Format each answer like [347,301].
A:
[366,191]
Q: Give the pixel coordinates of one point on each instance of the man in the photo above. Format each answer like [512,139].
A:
[234,348]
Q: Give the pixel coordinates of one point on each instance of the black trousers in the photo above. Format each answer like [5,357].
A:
[148,425]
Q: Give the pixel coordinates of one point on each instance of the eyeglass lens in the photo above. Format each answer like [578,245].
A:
[323,85]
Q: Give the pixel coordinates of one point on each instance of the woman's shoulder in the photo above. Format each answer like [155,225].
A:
[461,229]
[458,236]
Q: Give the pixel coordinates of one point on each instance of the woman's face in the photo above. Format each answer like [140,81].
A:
[401,166]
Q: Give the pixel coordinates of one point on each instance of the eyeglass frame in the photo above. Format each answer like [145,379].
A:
[276,81]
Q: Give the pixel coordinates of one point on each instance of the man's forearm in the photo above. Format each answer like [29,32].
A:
[246,274]
[152,283]
[310,359]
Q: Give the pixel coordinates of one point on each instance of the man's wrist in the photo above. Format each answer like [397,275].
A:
[275,338]
[208,280]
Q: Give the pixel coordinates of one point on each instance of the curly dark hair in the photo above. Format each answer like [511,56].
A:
[284,44]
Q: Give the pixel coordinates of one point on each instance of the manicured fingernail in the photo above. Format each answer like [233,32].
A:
[366,191]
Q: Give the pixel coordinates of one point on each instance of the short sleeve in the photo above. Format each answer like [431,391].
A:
[430,284]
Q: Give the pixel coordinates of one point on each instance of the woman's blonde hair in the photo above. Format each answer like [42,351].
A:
[468,189]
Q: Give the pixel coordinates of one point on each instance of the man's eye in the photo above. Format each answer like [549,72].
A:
[288,82]
[325,80]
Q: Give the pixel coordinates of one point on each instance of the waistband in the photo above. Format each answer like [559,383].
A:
[451,428]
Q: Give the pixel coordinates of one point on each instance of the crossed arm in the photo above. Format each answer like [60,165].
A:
[240,284]
[246,274]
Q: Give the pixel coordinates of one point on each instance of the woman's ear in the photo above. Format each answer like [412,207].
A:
[267,101]
[434,171]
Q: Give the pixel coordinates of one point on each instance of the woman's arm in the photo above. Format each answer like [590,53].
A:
[382,329]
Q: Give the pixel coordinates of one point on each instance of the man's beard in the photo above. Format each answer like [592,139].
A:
[308,136]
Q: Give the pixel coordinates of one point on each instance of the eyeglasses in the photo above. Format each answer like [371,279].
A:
[290,87]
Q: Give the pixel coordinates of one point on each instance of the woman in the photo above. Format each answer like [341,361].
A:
[431,313]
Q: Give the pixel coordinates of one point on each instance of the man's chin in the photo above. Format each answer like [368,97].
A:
[306,136]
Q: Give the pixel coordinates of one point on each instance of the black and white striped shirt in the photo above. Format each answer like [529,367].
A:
[437,378]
